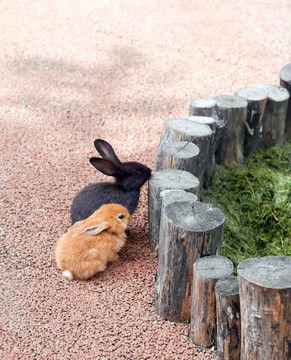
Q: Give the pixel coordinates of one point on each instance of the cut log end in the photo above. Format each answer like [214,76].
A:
[202,107]
[285,74]
[203,103]
[273,272]
[230,101]
[188,127]
[169,196]
[208,120]
[181,149]
[252,94]
[214,267]
[197,216]
[174,179]
[274,92]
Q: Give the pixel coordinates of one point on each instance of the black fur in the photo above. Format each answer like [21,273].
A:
[125,190]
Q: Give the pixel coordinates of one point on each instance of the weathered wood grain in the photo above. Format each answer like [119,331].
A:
[203,107]
[165,180]
[188,231]
[275,115]
[207,270]
[257,100]
[230,128]
[185,130]
[265,306]
[228,318]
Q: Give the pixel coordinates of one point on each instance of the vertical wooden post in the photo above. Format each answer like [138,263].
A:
[230,128]
[187,232]
[228,318]
[285,82]
[206,273]
[275,115]
[181,155]
[265,306]
[203,107]
[165,180]
[257,100]
[169,196]
[183,130]
[210,159]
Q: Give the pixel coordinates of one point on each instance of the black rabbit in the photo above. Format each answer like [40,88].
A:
[125,190]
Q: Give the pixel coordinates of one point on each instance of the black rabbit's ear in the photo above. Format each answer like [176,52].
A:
[105,166]
[106,151]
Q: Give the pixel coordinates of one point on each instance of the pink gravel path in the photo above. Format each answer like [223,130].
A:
[72,71]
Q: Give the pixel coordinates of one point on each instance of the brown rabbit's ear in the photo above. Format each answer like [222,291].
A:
[95,229]
[105,166]
[77,226]
[106,151]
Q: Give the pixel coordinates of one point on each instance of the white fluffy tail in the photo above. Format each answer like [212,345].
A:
[67,274]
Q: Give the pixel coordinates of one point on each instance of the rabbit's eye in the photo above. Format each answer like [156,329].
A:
[138,172]
[120,217]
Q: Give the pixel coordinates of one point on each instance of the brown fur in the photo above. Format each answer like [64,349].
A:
[91,243]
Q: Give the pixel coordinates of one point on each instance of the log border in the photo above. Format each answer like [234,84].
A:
[224,129]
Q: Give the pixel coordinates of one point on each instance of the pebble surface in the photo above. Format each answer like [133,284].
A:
[74,71]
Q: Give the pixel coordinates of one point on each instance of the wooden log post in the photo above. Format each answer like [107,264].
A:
[165,180]
[169,196]
[285,82]
[257,100]
[203,107]
[206,273]
[230,128]
[275,115]
[210,160]
[185,130]
[228,318]
[181,155]
[187,232]
[265,306]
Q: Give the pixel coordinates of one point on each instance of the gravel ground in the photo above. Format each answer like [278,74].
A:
[73,71]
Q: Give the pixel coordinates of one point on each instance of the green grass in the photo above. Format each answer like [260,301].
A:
[256,200]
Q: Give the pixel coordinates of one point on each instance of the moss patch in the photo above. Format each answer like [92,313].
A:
[256,200]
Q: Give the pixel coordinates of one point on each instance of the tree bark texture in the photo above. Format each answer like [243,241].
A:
[285,82]
[207,270]
[257,100]
[265,305]
[165,180]
[228,318]
[230,129]
[275,115]
[188,231]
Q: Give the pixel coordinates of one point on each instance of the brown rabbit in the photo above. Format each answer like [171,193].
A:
[91,243]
